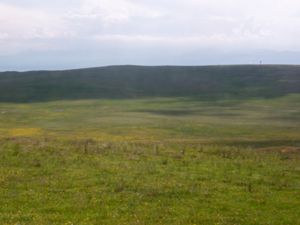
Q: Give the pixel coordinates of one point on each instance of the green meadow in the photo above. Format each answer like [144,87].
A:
[155,160]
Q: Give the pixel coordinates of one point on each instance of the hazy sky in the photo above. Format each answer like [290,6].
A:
[57,34]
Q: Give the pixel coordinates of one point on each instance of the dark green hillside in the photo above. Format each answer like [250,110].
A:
[139,81]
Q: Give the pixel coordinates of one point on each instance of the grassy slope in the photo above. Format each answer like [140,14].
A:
[151,161]
[155,160]
[157,118]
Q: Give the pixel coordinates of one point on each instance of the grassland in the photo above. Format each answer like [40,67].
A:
[175,160]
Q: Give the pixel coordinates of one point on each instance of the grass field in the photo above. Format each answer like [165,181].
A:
[151,161]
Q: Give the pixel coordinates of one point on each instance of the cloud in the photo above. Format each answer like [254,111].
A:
[117,11]
[17,22]
[23,29]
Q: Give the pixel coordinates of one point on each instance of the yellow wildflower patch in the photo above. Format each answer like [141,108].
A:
[24,132]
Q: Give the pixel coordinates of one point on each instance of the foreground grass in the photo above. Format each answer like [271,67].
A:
[151,161]
[147,183]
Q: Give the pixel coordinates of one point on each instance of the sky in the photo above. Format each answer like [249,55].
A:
[63,34]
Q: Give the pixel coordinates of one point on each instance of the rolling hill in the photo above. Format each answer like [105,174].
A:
[151,145]
[204,82]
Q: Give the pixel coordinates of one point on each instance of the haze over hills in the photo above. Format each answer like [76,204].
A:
[206,82]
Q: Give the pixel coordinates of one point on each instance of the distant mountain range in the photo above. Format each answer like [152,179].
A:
[205,82]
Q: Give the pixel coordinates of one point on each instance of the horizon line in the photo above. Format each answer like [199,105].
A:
[140,65]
